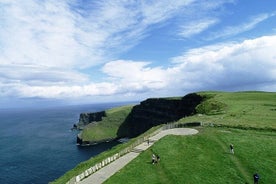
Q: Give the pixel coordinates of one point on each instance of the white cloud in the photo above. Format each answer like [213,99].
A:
[231,66]
[234,30]
[196,27]
[51,34]
[135,75]
[44,34]
[154,12]
[72,91]
[237,66]
[61,35]
[33,75]
[242,66]
[45,46]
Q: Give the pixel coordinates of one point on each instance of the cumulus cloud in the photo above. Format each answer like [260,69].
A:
[231,66]
[239,66]
[135,75]
[245,65]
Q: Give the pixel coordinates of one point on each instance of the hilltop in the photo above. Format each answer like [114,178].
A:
[246,110]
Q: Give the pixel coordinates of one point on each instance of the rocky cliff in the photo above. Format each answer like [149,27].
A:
[156,111]
[91,117]
[148,113]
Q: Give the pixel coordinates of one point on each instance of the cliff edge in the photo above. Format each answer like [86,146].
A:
[138,119]
[87,118]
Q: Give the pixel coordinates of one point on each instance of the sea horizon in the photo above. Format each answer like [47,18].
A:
[38,145]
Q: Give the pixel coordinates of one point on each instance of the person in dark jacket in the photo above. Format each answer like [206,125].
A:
[256,178]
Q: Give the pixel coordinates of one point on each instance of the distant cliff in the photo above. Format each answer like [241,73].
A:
[148,113]
[87,118]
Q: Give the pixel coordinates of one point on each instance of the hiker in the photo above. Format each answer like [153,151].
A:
[153,159]
[157,159]
[256,178]
[231,148]
[148,142]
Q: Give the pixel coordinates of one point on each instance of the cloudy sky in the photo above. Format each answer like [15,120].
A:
[81,51]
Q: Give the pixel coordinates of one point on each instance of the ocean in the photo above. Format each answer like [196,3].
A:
[37,145]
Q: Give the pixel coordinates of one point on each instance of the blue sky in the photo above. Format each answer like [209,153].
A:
[70,52]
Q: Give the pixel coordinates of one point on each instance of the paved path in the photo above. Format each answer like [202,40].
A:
[104,173]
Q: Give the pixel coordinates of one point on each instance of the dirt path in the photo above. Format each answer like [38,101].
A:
[107,171]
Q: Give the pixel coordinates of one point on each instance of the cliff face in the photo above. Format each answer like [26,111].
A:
[152,112]
[144,116]
[86,118]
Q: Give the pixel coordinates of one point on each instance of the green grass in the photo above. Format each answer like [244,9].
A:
[108,127]
[94,160]
[240,109]
[205,158]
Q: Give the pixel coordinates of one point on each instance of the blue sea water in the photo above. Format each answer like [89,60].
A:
[37,145]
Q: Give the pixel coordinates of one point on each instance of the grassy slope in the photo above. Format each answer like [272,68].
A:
[80,168]
[205,158]
[250,109]
[243,109]
[108,127]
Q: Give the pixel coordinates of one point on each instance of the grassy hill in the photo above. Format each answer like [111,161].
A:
[205,158]
[256,110]
[108,127]
[245,119]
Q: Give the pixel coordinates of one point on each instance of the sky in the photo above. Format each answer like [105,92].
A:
[84,51]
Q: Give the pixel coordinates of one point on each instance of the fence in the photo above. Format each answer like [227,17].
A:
[108,160]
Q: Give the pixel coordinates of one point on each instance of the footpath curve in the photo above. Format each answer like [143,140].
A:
[103,174]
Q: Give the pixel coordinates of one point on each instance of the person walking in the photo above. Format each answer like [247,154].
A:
[256,178]
[157,158]
[231,148]
[153,158]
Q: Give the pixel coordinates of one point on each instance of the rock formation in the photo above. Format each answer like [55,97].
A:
[91,117]
[156,111]
[148,113]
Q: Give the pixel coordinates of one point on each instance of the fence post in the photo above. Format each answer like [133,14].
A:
[94,169]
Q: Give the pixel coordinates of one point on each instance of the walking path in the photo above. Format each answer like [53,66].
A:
[107,171]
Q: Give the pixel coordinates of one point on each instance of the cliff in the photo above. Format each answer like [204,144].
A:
[87,118]
[140,118]
[156,111]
